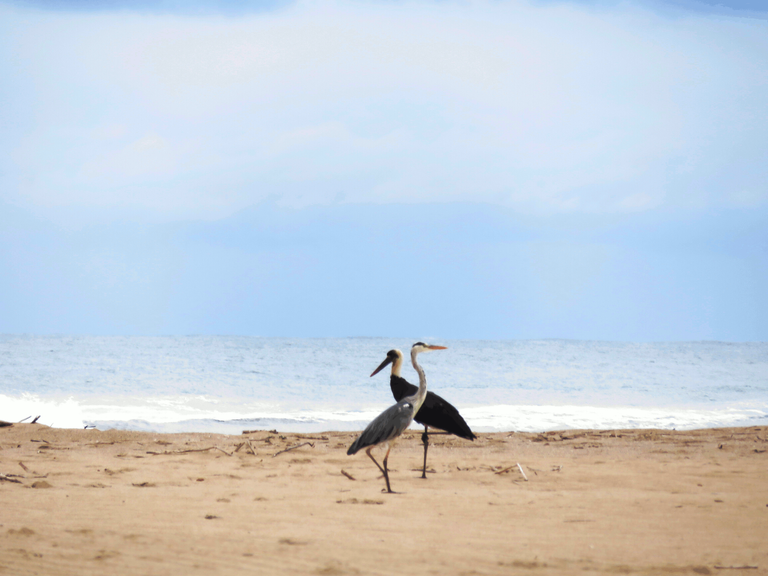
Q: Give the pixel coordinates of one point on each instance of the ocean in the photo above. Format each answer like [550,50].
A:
[227,384]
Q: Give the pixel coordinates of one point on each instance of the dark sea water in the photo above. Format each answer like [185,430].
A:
[229,384]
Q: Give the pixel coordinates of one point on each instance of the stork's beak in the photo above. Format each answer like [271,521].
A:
[386,361]
[437,347]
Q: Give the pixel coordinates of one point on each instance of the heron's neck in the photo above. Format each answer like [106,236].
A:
[418,399]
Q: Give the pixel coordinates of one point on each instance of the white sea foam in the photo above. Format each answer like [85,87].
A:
[227,384]
[179,414]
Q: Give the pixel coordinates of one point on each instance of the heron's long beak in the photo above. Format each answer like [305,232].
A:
[437,347]
[386,361]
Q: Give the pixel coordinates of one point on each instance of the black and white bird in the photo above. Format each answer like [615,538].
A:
[435,412]
[387,426]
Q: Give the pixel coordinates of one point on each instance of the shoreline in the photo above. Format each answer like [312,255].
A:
[634,501]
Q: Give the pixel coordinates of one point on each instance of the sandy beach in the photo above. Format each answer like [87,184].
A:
[587,502]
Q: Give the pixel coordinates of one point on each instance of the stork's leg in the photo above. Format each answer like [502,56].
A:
[425,440]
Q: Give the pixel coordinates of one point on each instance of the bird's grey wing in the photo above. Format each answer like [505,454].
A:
[386,426]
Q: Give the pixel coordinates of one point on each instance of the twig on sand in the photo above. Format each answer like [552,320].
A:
[24,467]
[745,567]
[35,420]
[9,479]
[347,474]
[294,448]
[250,446]
[183,451]
[22,420]
[508,468]
[221,450]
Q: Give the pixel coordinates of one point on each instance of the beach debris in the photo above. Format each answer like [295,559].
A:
[347,474]
[508,468]
[356,501]
[27,418]
[744,567]
[3,423]
[35,420]
[173,452]
[311,445]
[9,478]
[23,467]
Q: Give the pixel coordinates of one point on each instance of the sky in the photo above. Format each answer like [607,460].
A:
[587,169]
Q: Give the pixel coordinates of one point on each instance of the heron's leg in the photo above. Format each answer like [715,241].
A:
[374,460]
[425,439]
[386,475]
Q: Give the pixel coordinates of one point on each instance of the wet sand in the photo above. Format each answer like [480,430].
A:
[582,502]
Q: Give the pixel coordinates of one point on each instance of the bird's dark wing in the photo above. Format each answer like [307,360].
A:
[401,387]
[386,426]
[439,413]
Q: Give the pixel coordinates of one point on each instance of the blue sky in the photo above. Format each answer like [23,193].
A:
[570,169]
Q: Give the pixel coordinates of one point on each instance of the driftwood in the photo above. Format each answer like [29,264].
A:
[167,452]
[293,448]
[3,423]
[745,567]
[5,478]
[347,474]
[508,468]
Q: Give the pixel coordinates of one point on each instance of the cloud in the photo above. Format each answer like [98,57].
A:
[544,107]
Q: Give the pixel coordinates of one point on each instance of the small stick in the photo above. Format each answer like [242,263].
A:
[251,447]
[27,418]
[521,472]
[220,450]
[24,467]
[35,420]
[9,479]
[505,470]
[347,474]
[293,448]
[746,567]
[237,449]
[181,451]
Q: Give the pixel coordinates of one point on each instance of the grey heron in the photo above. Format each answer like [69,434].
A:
[435,411]
[387,426]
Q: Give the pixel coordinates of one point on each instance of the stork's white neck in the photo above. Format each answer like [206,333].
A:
[397,364]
